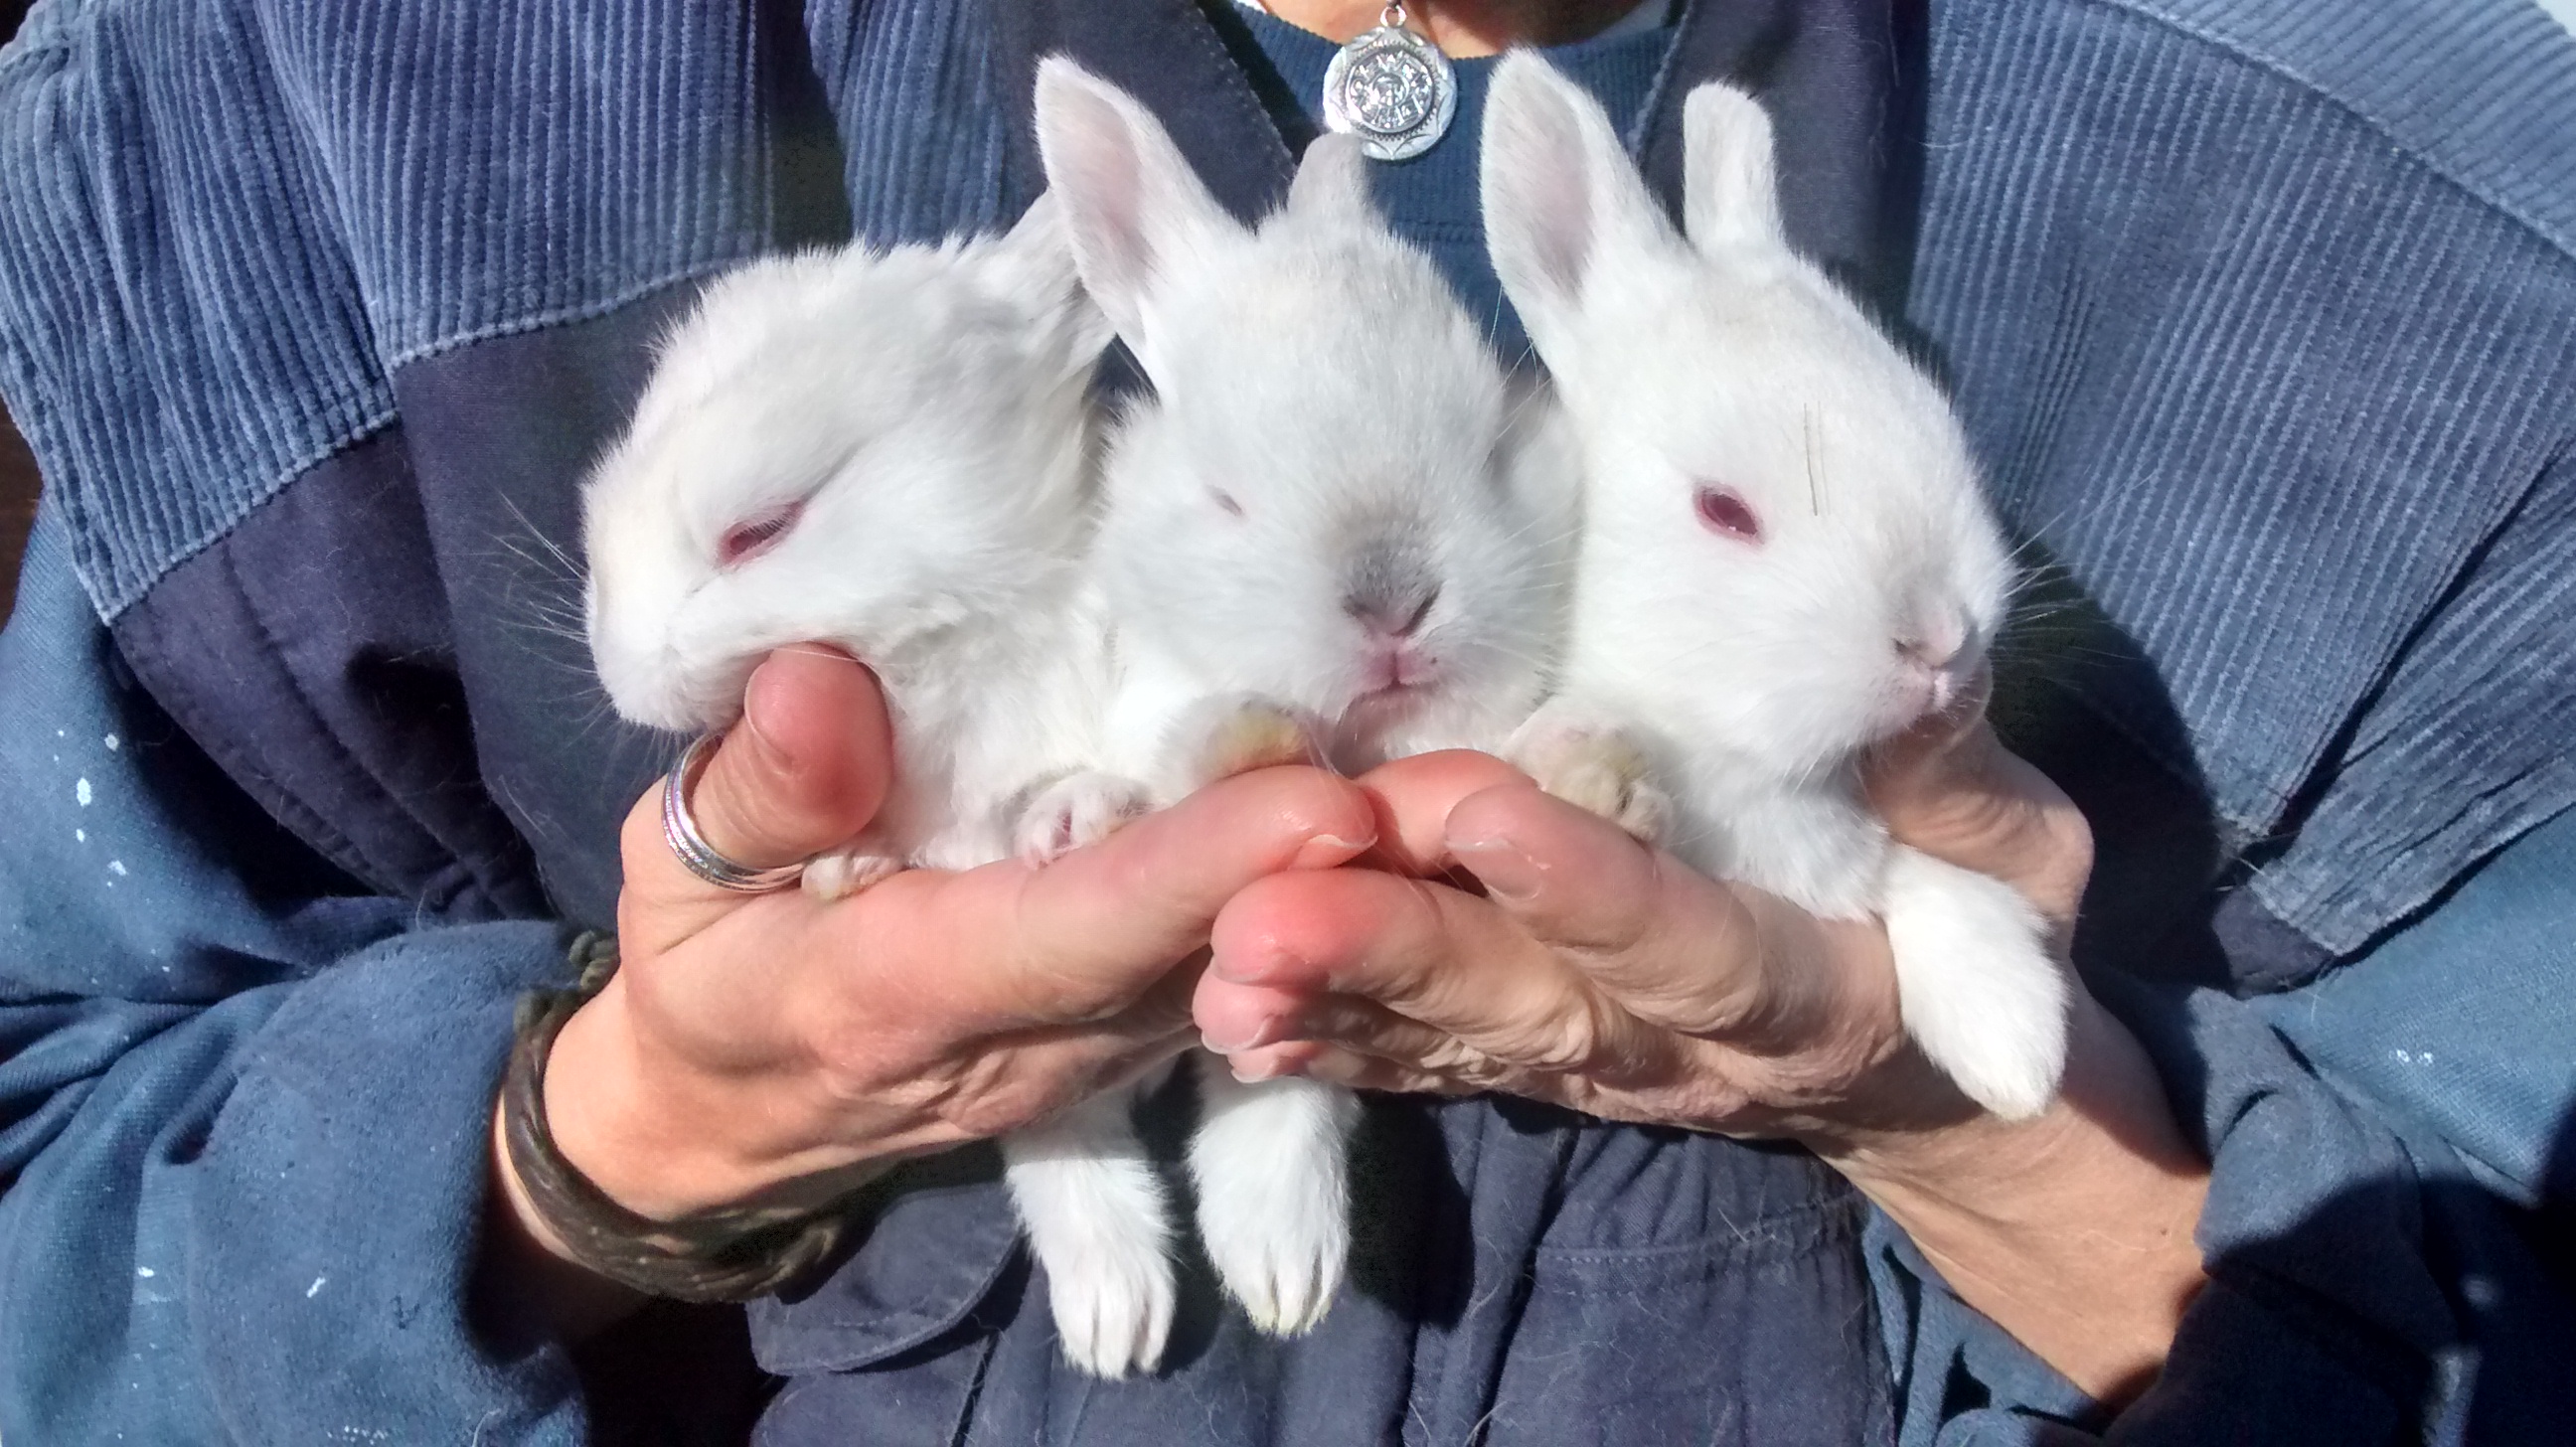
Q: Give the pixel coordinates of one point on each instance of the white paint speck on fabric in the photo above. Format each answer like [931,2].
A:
[315,1287]
[143,1271]
[113,743]
[80,836]
[80,791]
[116,867]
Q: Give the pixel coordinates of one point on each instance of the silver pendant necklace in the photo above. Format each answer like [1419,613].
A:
[1391,88]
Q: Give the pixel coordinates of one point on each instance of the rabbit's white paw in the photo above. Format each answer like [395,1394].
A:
[1272,1165]
[1595,767]
[1078,809]
[1113,1303]
[1098,1222]
[1236,734]
[840,873]
[1980,990]
[1283,1261]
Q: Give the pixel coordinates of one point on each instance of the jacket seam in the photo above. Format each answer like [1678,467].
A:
[2305,85]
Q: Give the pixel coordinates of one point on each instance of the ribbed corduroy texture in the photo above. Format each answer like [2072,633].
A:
[2472,740]
[2483,91]
[924,134]
[300,196]
[2334,372]
[2325,374]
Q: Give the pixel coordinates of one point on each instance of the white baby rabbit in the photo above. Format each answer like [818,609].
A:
[1786,557]
[891,451]
[1334,530]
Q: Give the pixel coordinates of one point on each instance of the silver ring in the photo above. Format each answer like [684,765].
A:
[680,831]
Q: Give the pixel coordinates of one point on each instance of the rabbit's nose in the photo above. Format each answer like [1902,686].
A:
[1392,612]
[1942,657]
[1940,646]
[1933,657]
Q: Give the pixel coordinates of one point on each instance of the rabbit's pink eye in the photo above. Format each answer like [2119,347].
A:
[756,535]
[1226,500]
[1722,511]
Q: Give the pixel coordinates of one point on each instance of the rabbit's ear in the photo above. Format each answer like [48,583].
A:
[1136,212]
[1035,261]
[1563,203]
[1332,182]
[1730,200]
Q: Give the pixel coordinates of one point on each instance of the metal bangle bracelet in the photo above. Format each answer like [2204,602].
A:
[680,831]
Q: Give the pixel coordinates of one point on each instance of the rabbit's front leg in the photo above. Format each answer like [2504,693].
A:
[1073,812]
[1098,1222]
[840,873]
[1580,755]
[1272,1164]
[1979,989]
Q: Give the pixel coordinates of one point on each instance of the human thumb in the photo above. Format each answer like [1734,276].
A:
[804,770]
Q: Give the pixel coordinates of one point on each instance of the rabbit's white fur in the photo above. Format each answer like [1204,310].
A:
[916,418]
[1334,487]
[1749,676]
[923,412]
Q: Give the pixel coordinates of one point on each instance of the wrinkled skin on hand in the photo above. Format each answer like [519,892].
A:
[782,1048]
[1513,942]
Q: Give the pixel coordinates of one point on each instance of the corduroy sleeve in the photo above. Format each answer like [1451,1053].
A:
[2390,1148]
[243,1113]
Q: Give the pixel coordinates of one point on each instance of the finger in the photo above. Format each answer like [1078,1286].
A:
[807,766]
[1952,790]
[1080,938]
[1939,732]
[993,1087]
[1667,943]
[929,963]
[1432,954]
[1237,1020]
[1356,1071]
[1413,797]
[878,993]
[804,770]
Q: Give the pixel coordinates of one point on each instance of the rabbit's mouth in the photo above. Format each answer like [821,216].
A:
[1383,704]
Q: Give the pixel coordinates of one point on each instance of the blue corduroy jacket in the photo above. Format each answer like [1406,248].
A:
[2262,314]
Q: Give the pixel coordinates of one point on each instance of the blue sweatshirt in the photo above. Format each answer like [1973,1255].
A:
[2262,313]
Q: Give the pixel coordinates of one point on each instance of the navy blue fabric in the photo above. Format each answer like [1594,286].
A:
[1492,1243]
[362,742]
[497,435]
[238,239]
[1431,199]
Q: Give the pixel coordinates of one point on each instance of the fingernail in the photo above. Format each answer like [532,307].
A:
[1222,1043]
[1255,1070]
[758,697]
[1504,868]
[1253,965]
[1327,850]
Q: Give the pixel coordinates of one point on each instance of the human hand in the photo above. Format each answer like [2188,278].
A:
[779,1048]
[1601,975]
[1596,973]
[1513,942]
